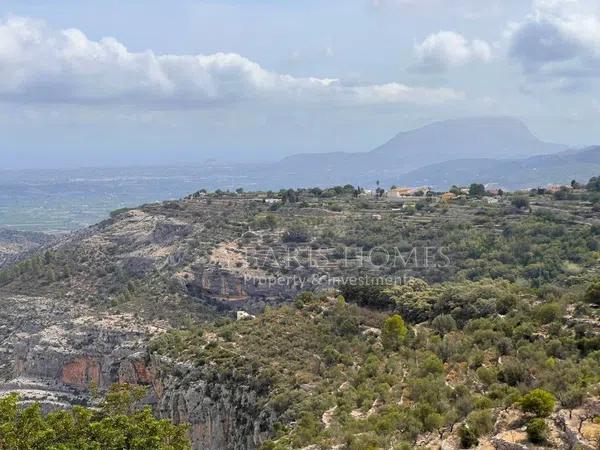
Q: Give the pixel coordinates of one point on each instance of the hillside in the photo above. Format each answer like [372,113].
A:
[218,248]
[14,243]
[327,374]
[148,297]
[490,150]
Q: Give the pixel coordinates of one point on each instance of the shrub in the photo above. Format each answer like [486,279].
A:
[520,202]
[468,437]
[296,235]
[592,294]
[433,421]
[486,375]
[394,332]
[267,222]
[538,402]
[443,324]
[593,184]
[481,422]
[537,431]
[344,322]
[432,365]
[548,313]
[367,294]
[476,190]
[513,372]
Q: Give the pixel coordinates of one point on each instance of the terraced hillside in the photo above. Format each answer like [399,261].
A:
[81,311]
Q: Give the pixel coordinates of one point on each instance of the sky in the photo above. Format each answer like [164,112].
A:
[153,82]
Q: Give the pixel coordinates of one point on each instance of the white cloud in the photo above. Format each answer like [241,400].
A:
[446,49]
[560,38]
[39,64]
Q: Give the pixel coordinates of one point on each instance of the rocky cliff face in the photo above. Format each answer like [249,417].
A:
[215,251]
[54,351]
[223,413]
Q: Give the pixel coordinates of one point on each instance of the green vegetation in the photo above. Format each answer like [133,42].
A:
[331,379]
[393,333]
[557,241]
[593,184]
[538,402]
[477,190]
[592,294]
[520,202]
[468,437]
[537,431]
[502,318]
[116,425]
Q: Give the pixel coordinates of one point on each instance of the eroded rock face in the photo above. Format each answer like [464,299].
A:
[54,351]
[230,291]
[58,346]
[223,413]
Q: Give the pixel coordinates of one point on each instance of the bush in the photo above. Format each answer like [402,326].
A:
[593,184]
[537,431]
[267,222]
[476,190]
[394,332]
[592,294]
[481,422]
[443,324]
[296,235]
[538,402]
[520,202]
[548,313]
[368,294]
[432,365]
[468,437]
[486,375]
[513,372]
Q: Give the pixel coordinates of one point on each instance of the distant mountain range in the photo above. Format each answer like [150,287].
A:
[513,174]
[496,150]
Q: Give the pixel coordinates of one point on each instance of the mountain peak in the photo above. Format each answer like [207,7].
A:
[492,138]
[474,137]
[493,124]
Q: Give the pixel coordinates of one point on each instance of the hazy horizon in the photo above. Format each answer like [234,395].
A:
[241,160]
[248,81]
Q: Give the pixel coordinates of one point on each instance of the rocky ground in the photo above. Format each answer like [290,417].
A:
[15,244]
